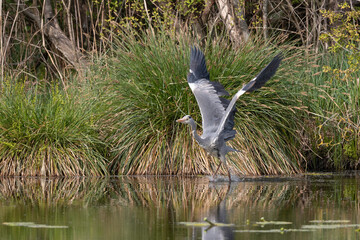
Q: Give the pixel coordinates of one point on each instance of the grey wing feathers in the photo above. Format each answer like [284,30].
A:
[212,107]
[229,132]
[207,94]
[265,74]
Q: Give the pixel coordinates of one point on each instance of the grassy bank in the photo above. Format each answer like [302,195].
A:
[120,118]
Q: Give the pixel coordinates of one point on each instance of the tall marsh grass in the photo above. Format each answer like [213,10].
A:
[148,91]
[48,132]
[334,105]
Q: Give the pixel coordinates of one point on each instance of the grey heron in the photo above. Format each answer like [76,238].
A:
[217,112]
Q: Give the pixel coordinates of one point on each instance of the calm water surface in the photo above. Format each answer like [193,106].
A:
[156,207]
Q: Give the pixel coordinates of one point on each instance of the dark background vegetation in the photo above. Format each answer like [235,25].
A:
[94,87]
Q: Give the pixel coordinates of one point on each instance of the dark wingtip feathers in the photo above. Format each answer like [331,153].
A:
[197,65]
[265,74]
[198,71]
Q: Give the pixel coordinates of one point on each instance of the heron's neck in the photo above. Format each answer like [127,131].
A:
[193,130]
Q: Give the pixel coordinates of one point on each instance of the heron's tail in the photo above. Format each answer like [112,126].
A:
[230,149]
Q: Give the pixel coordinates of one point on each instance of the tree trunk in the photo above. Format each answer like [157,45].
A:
[2,40]
[265,18]
[49,26]
[232,14]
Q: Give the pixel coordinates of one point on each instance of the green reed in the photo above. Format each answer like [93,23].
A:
[333,102]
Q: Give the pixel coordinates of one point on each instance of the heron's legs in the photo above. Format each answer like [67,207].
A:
[228,170]
[223,160]
[229,175]
[217,169]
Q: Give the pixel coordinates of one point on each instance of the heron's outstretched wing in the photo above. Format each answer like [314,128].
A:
[207,94]
[198,71]
[265,74]
[256,83]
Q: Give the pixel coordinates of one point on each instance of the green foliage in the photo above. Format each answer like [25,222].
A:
[157,14]
[345,36]
[48,133]
[335,92]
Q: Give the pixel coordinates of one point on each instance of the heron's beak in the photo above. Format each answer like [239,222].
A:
[181,120]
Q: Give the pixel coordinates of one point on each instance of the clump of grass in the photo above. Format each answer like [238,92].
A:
[147,77]
[48,133]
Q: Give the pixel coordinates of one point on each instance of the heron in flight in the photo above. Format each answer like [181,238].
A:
[217,112]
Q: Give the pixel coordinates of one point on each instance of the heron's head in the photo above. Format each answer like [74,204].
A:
[186,119]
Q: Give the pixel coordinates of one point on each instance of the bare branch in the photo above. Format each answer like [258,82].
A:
[52,31]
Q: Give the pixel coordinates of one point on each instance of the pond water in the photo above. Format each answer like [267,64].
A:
[321,206]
